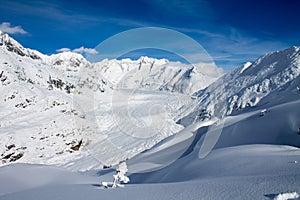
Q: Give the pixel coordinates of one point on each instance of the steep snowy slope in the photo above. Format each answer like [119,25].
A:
[36,103]
[270,80]
[39,121]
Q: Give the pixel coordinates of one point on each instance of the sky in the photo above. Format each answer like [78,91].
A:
[231,31]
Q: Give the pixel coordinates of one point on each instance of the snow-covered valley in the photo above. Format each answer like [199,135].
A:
[66,123]
[45,114]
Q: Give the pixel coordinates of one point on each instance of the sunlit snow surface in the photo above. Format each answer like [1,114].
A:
[159,127]
[42,119]
[244,172]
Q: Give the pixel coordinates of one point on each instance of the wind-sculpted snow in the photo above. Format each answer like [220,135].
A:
[242,172]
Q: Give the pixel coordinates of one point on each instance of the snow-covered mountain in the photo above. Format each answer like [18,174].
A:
[155,113]
[270,80]
[38,118]
[161,74]
[36,102]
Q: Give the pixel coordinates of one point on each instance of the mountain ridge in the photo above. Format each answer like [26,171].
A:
[270,75]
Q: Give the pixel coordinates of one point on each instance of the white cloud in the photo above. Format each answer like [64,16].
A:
[63,50]
[7,28]
[82,50]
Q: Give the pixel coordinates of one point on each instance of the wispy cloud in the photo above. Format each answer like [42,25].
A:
[58,13]
[230,47]
[83,50]
[8,28]
[80,50]
[197,31]
[195,8]
[63,50]
[234,47]
[48,10]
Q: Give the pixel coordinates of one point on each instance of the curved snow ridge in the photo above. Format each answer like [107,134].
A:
[247,161]
[249,128]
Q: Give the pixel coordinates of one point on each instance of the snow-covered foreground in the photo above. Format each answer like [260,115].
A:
[243,172]
[276,127]
[172,168]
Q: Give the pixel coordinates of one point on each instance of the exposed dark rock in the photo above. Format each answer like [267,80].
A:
[35,57]
[16,157]
[10,146]
[77,146]
[8,156]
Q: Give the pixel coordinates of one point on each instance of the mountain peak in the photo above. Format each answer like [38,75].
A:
[67,55]
[146,59]
[294,48]
[273,76]
[12,45]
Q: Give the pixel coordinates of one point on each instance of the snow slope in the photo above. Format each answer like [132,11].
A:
[270,80]
[245,172]
[41,124]
[245,131]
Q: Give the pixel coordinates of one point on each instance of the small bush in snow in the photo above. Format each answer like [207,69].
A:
[263,112]
[119,178]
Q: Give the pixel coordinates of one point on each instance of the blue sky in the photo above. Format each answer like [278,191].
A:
[231,31]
